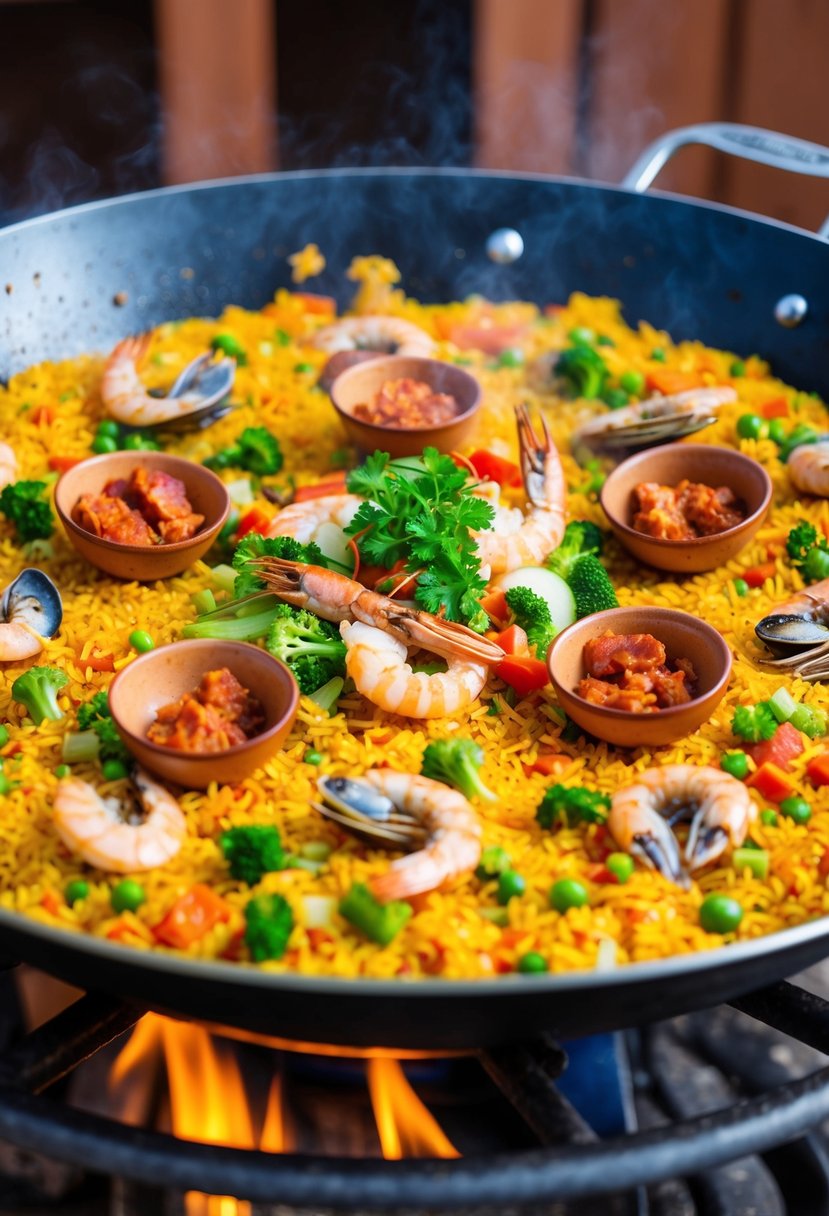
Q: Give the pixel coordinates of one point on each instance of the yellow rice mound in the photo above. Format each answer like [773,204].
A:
[53,409]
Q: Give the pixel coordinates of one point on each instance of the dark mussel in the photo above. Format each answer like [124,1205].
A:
[206,384]
[787,634]
[366,813]
[33,600]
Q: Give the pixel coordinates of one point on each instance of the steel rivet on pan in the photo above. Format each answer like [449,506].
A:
[504,245]
[790,310]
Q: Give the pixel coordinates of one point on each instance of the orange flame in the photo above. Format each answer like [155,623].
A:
[406,1128]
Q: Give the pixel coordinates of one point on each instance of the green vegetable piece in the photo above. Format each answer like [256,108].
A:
[621,866]
[136,442]
[752,426]
[128,895]
[800,540]
[769,818]
[456,762]
[572,805]
[777,430]
[604,340]
[532,614]
[755,860]
[811,722]
[658,355]
[581,537]
[281,337]
[510,885]
[37,690]
[103,444]
[583,371]
[632,382]
[80,747]
[108,426]
[114,770]
[304,368]
[23,503]
[270,922]
[62,770]
[498,916]
[494,861]
[741,586]
[75,890]
[316,850]
[591,586]
[782,704]
[141,641]
[95,716]
[735,764]
[251,851]
[204,601]
[568,893]
[796,809]
[532,963]
[4,736]
[737,368]
[816,566]
[6,786]
[253,546]
[327,696]
[511,358]
[800,435]
[615,398]
[312,757]
[754,723]
[311,647]
[228,345]
[256,450]
[582,336]
[379,922]
[720,914]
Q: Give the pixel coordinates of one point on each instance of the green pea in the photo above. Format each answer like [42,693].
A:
[616,398]
[604,340]
[752,426]
[128,895]
[231,346]
[797,809]
[463,361]
[511,358]
[510,884]
[141,641]
[108,426]
[304,367]
[312,757]
[494,861]
[582,336]
[137,442]
[75,890]
[720,914]
[777,430]
[4,736]
[281,337]
[532,963]
[6,786]
[738,368]
[568,893]
[63,770]
[658,354]
[735,764]
[114,770]
[769,819]
[102,444]
[621,866]
[741,586]
[632,382]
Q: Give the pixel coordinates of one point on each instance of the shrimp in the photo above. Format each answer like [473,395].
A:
[376,662]
[97,830]
[200,387]
[720,806]
[389,335]
[8,465]
[18,641]
[452,844]
[30,611]
[321,520]
[335,597]
[517,539]
[808,468]
[656,419]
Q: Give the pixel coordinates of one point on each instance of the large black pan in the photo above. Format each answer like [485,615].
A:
[80,279]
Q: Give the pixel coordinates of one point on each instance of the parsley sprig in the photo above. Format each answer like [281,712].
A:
[421,511]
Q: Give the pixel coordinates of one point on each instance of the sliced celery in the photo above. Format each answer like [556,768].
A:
[782,705]
[204,601]
[79,746]
[234,629]
[224,577]
[755,860]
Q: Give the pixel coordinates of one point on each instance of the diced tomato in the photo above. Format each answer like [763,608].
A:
[785,745]
[668,380]
[778,407]
[817,770]
[494,605]
[757,575]
[601,873]
[254,521]
[99,660]
[44,415]
[547,763]
[823,864]
[488,465]
[771,783]
[319,306]
[513,641]
[511,937]
[59,464]
[318,937]
[320,489]
[524,674]
[50,902]
[191,916]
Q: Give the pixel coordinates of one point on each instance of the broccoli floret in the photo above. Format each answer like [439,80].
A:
[312,648]
[754,723]
[456,762]
[800,540]
[808,551]
[572,805]
[581,537]
[37,689]
[95,715]
[532,613]
[591,586]
[24,505]
[252,851]
[255,450]
[583,371]
[270,923]
[98,707]
[253,545]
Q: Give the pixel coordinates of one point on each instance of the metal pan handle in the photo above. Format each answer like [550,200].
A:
[752,143]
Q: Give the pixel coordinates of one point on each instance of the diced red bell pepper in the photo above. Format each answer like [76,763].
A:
[44,415]
[494,605]
[50,901]
[99,660]
[547,763]
[823,864]
[668,380]
[320,306]
[785,745]
[817,770]
[524,674]
[59,464]
[488,465]
[191,916]
[514,641]
[757,575]
[778,407]
[254,521]
[771,783]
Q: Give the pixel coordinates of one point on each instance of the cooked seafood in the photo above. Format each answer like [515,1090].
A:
[797,633]
[389,335]
[321,520]
[30,610]
[808,468]
[655,420]
[196,394]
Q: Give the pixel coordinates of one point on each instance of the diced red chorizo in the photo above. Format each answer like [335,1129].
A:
[613,653]
[657,513]
[218,714]
[617,696]
[112,519]
[161,496]
[173,530]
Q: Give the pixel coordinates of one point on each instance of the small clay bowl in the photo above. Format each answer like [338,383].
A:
[684,636]
[205,491]
[668,466]
[161,676]
[358,385]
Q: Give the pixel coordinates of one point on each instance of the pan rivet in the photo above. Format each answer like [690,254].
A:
[505,245]
[790,310]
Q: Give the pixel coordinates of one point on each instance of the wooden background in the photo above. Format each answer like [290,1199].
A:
[559,86]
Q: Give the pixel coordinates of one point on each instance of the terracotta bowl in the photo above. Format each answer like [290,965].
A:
[684,636]
[358,385]
[163,675]
[668,465]
[205,491]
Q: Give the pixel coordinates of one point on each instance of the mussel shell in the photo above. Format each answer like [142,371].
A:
[357,798]
[34,600]
[206,384]
[787,633]
[650,432]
